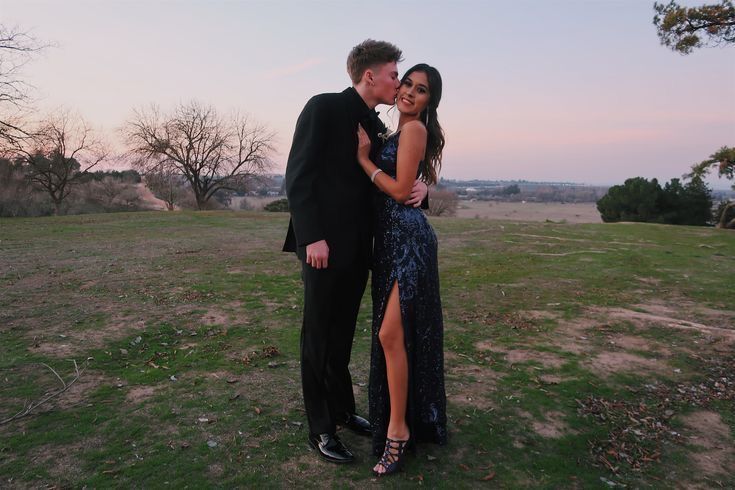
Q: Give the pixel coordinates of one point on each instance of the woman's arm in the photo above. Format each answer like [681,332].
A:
[411,149]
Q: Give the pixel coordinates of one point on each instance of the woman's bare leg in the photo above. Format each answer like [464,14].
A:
[396,364]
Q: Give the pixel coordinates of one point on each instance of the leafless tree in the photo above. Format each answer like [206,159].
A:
[442,203]
[16,49]
[211,152]
[57,153]
[165,183]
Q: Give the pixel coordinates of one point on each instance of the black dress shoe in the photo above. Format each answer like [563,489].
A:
[357,424]
[330,448]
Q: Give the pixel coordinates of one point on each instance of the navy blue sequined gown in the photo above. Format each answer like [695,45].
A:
[405,250]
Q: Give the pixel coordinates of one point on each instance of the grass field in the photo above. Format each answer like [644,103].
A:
[577,356]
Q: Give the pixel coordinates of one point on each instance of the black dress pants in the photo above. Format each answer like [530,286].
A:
[331,303]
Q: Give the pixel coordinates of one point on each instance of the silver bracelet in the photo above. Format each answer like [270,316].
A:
[375,173]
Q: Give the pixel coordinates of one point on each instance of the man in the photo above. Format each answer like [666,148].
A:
[330,201]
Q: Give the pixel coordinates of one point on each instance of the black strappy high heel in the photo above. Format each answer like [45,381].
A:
[392,459]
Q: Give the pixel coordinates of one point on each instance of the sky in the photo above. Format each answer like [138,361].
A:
[546,90]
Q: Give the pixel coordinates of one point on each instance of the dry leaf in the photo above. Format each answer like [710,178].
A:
[489,476]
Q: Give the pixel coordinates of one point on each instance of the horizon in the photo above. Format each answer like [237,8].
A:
[546,91]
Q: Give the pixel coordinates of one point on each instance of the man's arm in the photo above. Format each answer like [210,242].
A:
[302,170]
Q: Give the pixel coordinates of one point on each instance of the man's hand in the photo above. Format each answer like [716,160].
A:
[317,254]
[418,193]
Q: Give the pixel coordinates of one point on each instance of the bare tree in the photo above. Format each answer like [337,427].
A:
[57,153]
[442,203]
[165,183]
[211,152]
[16,49]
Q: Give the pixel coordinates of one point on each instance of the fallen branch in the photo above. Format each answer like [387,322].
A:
[49,396]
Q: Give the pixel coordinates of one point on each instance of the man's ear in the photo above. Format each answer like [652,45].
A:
[369,77]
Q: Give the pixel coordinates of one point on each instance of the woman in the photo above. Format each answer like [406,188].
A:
[407,398]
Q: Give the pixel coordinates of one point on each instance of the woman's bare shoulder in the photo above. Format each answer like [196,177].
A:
[413,135]
[413,129]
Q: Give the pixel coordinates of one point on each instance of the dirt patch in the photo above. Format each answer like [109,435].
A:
[62,461]
[485,345]
[216,317]
[553,425]
[216,470]
[138,394]
[515,356]
[45,382]
[553,379]
[648,280]
[606,363]
[32,282]
[68,343]
[572,336]
[539,314]
[546,359]
[713,437]
[306,466]
[663,320]
[79,392]
[471,393]
[629,342]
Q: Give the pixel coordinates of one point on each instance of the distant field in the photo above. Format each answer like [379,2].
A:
[577,356]
[530,211]
[513,211]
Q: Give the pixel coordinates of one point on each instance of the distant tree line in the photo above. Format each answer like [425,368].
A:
[536,192]
[684,29]
[93,192]
[639,199]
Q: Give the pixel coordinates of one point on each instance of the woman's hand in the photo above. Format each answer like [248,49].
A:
[363,145]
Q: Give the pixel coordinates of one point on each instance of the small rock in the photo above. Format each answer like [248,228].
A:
[173,378]
[124,352]
[212,444]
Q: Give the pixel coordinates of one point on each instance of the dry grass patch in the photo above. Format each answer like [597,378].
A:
[629,342]
[62,461]
[552,426]
[712,436]
[137,395]
[63,341]
[606,363]
[475,388]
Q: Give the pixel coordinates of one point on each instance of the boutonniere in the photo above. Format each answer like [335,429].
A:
[385,135]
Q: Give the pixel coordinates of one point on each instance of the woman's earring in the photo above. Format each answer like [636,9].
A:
[427,118]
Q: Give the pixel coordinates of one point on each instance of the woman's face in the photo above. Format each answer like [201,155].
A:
[413,95]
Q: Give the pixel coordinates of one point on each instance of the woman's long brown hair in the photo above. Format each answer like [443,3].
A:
[432,162]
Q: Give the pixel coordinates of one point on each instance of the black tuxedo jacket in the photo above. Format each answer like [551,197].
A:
[329,195]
